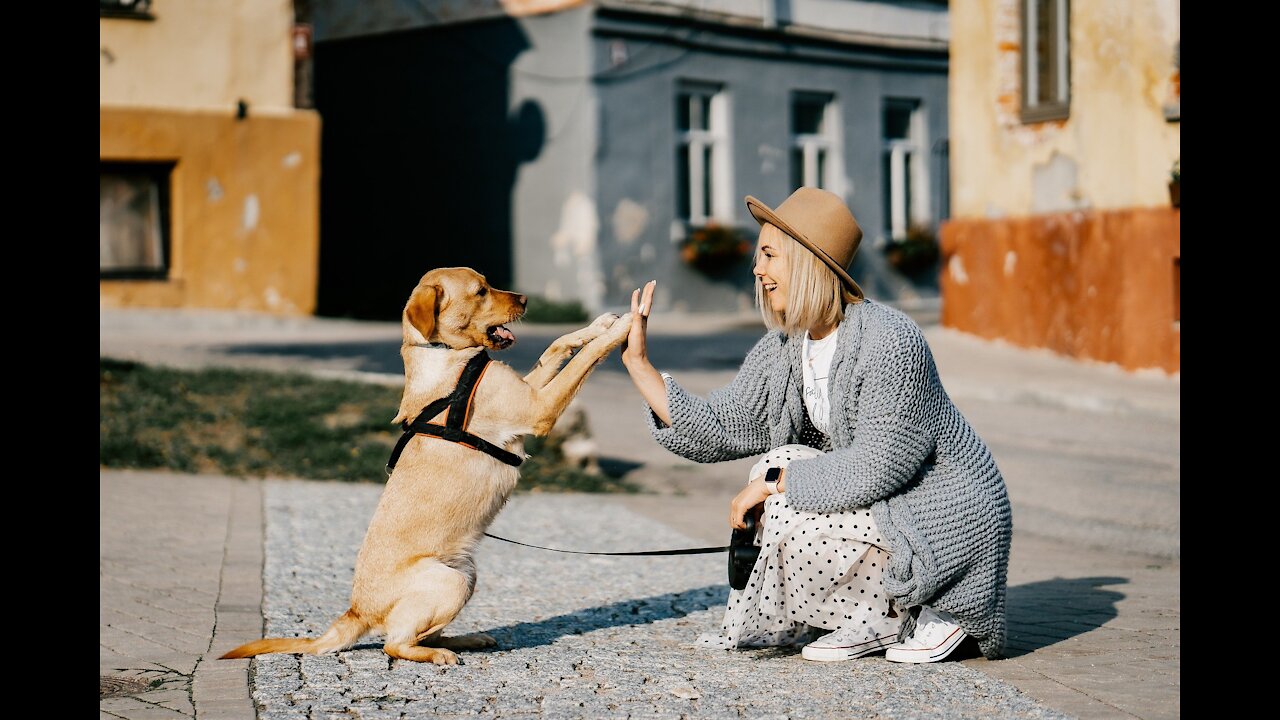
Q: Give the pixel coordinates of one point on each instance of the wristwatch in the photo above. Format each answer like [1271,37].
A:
[771,478]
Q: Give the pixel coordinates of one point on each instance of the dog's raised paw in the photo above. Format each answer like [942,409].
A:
[604,322]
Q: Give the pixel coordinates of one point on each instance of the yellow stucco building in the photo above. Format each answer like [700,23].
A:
[209,174]
[1065,140]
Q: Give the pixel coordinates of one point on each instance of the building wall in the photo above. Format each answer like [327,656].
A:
[1101,285]
[199,54]
[1063,235]
[556,219]
[565,161]
[1117,147]
[636,164]
[243,192]
[243,207]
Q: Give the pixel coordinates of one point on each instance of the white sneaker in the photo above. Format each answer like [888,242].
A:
[935,637]
[849,643]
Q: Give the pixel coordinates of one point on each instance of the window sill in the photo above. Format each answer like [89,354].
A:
[144,15]
[1045,113]
[154,275]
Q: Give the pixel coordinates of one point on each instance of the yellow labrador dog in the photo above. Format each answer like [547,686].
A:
[415,570]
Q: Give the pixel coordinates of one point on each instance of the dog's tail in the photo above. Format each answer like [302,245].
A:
[341,634]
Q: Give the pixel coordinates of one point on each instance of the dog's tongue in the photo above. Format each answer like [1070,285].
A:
[502,332]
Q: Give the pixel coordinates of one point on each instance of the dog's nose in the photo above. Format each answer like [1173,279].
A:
[524,300]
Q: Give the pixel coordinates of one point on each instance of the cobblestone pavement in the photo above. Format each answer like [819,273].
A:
[578,636]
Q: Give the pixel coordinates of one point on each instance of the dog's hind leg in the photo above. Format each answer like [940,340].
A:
[437,594]
[470,641]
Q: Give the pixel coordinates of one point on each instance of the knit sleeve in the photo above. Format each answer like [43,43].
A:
[730,423]
[894,433]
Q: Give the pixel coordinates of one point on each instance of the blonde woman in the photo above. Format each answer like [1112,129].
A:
[886,523]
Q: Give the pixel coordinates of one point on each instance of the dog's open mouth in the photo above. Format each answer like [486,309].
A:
[501,336]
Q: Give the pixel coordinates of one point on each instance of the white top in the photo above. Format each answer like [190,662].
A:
[817,365]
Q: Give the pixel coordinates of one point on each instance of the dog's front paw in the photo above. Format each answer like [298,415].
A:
[598,327]
[617,332]
[602,323]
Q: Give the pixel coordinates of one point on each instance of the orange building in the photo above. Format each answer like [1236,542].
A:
[1065,145]
[209,175]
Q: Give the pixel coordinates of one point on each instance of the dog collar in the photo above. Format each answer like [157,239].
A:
[433,346]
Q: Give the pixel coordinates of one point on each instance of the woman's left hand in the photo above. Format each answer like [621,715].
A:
[753,495]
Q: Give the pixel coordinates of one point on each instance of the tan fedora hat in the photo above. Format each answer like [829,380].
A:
[820,221]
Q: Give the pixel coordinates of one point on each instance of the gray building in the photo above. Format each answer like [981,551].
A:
[570,148]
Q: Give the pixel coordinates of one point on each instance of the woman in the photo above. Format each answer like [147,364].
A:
[886,520]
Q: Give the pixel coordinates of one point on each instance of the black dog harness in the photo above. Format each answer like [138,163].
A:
[458,404]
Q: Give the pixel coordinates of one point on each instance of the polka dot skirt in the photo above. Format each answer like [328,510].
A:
[815,572]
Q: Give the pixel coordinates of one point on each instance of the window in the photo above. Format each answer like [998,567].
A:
[904,167]
[1046,79]
[133,225]
[814,135]
[702,154]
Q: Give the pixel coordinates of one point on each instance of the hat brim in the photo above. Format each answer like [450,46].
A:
[765,214]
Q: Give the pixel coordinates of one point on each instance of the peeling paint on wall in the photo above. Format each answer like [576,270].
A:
[629,221]
[249,219]
[574,244]
[552,290]
[213,189]
[771,158]
[292,160]
[1010,263]
[956,267]
[1054,186]
[1121,132]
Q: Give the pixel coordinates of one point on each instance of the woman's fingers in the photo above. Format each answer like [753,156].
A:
[646,300]
[635,302]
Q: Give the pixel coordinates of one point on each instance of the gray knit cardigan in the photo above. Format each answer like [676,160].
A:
[898,445]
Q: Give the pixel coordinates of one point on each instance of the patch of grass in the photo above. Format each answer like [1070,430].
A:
[253,423]
[544,310]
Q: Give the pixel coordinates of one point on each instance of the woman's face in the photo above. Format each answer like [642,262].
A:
[772,271]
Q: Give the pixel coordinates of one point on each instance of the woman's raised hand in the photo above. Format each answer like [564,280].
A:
[635,350]
[635,355]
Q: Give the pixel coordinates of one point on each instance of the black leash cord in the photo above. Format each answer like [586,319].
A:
[686,551]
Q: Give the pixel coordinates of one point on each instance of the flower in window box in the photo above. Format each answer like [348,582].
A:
[915,253]
[715,249]
[1175,183]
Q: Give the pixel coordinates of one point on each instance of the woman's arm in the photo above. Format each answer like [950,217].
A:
[635,355]
[730,423]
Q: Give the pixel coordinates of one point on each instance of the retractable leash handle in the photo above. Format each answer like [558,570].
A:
[743,552]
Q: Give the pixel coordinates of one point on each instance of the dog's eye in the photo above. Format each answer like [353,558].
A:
[482,291]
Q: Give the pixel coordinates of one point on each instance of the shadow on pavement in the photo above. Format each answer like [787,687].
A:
[636,611]
[1043,613]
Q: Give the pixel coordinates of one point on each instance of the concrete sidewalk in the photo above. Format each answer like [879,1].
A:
[179,583]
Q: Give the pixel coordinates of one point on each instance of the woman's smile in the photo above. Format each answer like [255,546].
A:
[771,271]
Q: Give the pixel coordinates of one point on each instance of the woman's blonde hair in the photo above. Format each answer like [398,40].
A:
[815,295]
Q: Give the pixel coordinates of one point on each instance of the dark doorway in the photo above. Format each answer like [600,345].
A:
[419,151]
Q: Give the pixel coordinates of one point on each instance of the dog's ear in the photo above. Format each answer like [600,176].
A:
[421,311]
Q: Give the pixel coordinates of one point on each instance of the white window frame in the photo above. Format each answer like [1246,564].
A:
[899,150]
[1060,107]
[810,144]
[715,137]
